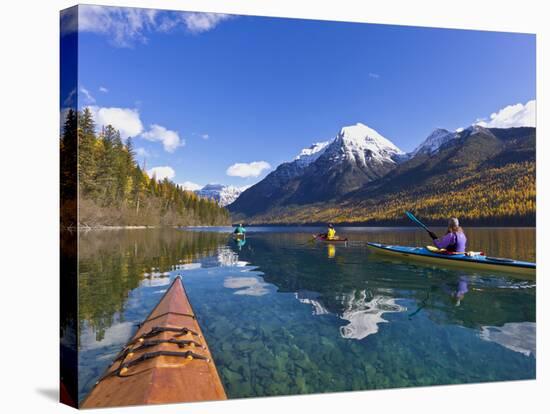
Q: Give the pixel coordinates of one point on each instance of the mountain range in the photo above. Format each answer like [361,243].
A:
[324,171]
[223,194]
[361,176]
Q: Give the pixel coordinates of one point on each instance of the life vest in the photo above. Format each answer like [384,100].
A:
[454,247]
[330,234]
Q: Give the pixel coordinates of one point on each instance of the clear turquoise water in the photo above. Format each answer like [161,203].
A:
[286,316]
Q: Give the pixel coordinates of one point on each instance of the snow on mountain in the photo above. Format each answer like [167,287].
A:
[434,141]
[363,144]
[223,194]
[310,154]
[475,129]
[324,171]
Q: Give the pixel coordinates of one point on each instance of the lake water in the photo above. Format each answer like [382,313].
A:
[283,315]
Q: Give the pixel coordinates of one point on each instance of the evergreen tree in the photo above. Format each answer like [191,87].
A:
[68,170]
[86,157]
[106,176]
[119,191]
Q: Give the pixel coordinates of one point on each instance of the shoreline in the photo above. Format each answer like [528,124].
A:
[90,228]
[395,226]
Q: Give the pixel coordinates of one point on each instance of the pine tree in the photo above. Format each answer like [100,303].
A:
[68,170]
[106,176]
[112,180]
[86,157]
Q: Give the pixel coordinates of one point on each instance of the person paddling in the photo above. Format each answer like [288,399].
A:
[454,240]
[331,232]
[239,230]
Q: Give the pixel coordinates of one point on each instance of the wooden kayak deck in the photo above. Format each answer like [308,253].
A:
[166,361]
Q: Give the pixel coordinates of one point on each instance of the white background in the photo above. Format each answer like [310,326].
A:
[29,76]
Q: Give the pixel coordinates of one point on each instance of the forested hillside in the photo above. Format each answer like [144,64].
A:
[485,177]
[114,191]
[503,195]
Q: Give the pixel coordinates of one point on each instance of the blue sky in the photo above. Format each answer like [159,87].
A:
[202,92]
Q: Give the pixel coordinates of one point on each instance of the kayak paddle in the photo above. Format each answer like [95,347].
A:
[414,219]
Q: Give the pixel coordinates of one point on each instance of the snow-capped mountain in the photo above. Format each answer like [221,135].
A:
[475,129]
[360,167]
[358,154]
[223,194]
[361,144]
[440,137]
[310,154]
[434,141]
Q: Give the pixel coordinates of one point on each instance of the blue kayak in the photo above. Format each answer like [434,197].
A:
[475,260]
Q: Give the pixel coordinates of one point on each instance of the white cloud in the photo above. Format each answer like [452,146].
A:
[162,172]
[69,99]
[205,136]
[142,152]
[203,22]
[124,27]
[103,89]
[190,186]
[374,75]
[512,116]
[87,96]
[126,120]
[252,169]
[69,20]
[170,139]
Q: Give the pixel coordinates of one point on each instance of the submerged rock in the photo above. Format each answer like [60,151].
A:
[230,376]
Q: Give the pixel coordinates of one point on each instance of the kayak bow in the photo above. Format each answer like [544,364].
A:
[477,261]
[166,361]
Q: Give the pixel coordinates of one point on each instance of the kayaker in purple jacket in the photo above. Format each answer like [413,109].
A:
[455,239]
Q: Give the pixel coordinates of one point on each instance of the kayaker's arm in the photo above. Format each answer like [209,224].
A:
[445,241]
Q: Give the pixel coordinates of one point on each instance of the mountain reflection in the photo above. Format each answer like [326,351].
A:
[281,316]
[519,336]
[331,285]
[365,314]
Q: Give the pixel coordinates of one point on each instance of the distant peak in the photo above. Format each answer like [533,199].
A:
[223,194]
[361,135]
[434,141]
[475,128]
